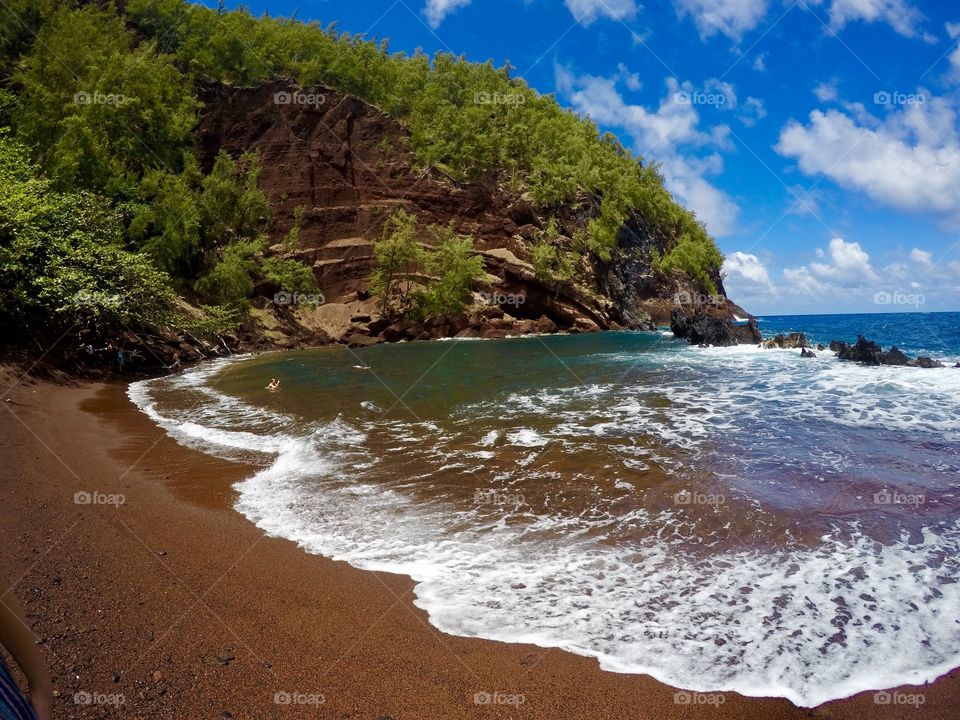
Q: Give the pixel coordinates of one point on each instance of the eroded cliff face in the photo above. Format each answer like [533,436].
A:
[349,166]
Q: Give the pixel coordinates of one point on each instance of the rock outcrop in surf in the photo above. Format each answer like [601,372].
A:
[703,328]
[870,353]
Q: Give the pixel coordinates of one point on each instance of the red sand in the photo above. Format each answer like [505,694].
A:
[176,604]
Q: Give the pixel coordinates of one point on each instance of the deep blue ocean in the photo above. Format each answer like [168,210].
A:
[935,334]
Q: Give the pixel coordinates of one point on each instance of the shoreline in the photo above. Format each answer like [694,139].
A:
[177,603]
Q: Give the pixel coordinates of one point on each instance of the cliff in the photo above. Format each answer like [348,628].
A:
[348,166]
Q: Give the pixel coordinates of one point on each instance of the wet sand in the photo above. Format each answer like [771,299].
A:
[169,600]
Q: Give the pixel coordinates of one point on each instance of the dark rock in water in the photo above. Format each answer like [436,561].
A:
[545,325]
[357,340]
[957,365]
[821,347]
[864,351]
[378,326]
[702,329]
[894,356]
[807,353]
[869,353]
[793,340]
[396,331]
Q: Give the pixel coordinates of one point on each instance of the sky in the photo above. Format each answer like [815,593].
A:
[819,141]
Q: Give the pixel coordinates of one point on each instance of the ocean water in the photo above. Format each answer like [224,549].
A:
[931,334]
[721,519]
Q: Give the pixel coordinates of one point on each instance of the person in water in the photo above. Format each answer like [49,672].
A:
[274,384]
[17,639]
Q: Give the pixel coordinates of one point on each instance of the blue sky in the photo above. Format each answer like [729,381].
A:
[819,141]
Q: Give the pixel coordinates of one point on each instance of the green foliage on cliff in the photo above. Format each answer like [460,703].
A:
[109,118]
[471,119]
[423,279]
[104,103]
[64,262]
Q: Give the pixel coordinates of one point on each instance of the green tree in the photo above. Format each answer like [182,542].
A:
[399,256]
[454,267]
[103,111]
[63,264]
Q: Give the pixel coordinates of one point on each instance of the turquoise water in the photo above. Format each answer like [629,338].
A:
[722,518]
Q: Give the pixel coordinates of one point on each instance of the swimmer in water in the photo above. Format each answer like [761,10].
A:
[274,384]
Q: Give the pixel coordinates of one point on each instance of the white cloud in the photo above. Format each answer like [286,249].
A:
[849,264]
[437,10]
[630,79]
[760,63]
[586,11]
[910,160]
[670,135]
[732,18]
[842,278]
[898,14]
[753,110]
[826,92]
[746,275]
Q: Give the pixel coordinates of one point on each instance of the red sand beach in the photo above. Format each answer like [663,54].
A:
[147,591]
